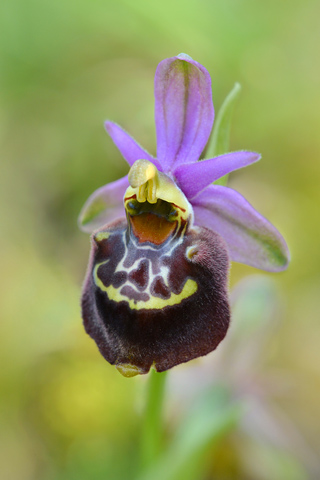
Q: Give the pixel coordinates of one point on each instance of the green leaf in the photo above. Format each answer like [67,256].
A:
[220,137]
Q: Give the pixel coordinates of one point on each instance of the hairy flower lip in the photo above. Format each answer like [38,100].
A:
[158,325]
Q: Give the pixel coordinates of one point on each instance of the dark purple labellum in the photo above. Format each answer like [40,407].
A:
[150,305]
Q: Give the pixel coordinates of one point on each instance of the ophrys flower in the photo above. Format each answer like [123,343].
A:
[156,286]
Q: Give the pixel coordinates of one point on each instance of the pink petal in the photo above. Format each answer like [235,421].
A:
[250,238]
[129,148]
[194,177]
[183,110]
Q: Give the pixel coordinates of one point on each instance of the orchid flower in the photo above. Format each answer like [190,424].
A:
[155,293]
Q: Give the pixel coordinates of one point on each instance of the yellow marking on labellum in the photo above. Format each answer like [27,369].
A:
[98,237]
[128,370]
[154,303]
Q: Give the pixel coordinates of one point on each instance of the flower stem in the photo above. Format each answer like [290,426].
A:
[151,435]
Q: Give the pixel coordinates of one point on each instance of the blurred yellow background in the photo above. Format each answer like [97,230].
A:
[65,68]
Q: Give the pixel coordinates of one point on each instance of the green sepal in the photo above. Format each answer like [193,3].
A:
[103,206]
[220,137]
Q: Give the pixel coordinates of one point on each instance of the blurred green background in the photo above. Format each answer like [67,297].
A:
[65,68]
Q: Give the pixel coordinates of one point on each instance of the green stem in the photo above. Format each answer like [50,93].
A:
[151,435]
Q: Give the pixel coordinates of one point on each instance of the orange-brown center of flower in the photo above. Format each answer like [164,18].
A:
[148,227]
